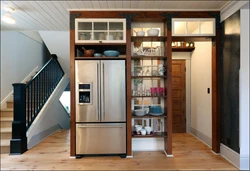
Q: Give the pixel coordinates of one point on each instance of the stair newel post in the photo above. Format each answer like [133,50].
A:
[18,143]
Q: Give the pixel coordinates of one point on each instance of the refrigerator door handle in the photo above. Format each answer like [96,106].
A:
[103,92]
[97,92]
[100,126]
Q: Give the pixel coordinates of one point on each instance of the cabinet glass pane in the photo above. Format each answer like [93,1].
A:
[100,26]
[116,26]
[116,35]
[193,27]
[179,27]
[85,26]
[100,35]
[84,35]
[207,27]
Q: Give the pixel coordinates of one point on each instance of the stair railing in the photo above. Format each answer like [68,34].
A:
[29,99]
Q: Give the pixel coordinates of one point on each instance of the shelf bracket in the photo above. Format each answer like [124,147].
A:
[72,20]
[169,19]
[128,19]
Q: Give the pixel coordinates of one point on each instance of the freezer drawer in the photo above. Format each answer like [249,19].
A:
[101,138]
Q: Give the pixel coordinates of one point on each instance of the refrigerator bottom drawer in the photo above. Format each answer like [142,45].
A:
[101,138]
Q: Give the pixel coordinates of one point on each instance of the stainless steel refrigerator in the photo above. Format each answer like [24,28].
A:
[100,107]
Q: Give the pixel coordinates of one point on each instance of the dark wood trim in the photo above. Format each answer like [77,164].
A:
[192,38]
[215,92]
[149,38]
[129,95]
[182,49]
[168,105]
[149,57]
[147,16]
[153,135]
[99,44]
[72,95]
[150,116]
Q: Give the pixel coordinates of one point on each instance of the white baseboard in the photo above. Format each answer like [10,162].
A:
[203,138]
[230,155]
[168,155]
[10,95]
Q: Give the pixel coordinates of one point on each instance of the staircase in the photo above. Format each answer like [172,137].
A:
[6,127]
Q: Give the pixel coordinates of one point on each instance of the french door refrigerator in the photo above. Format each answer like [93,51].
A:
[100,107]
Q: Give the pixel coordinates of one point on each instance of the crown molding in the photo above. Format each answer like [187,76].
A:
[230,8]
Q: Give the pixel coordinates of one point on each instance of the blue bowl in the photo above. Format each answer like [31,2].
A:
[155,109]
[111,53]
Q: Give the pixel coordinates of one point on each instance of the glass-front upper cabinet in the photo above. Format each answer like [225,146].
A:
[193,27]
[100,30]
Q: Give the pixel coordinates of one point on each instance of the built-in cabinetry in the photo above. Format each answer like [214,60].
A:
[116,30]
[100,30]
[149,82]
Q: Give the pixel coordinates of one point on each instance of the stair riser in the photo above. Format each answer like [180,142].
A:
[6,135]
[6,114]
[5,124]
[5,149]
[10,105]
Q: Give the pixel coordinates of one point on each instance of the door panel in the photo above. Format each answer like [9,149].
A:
[179,96]
[113,91]
[101,138]
[87,72]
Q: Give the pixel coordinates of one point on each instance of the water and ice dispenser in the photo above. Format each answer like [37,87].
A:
[85,93]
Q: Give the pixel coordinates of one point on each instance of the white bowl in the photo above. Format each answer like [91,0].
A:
[140,112]
[153,32]
[140,33]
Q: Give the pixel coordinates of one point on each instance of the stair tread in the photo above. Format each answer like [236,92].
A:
[6,130]
[7,110]
[6,118]
[11,101]
[5,143]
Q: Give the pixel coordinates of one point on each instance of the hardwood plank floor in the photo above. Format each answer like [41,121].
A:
[53,154]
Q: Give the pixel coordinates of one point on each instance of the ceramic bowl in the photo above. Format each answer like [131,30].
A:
[140,112]
[111,53]
[155,109]
[140,33]
[97,55]
[153,32]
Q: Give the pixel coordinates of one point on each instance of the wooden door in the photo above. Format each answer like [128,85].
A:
[179,96]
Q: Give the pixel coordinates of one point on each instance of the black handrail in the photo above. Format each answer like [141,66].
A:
[29,99]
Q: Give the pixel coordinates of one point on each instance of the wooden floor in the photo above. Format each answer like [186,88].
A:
[53,154]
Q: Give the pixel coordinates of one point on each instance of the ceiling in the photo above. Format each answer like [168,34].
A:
[54,15]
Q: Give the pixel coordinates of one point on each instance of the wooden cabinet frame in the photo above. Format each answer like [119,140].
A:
[151,16]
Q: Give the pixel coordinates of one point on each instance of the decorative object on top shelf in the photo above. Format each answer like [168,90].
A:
[139,33]
[111,53]
[182,44]
[97,55]
[88,53]
[153,32]
[191,44]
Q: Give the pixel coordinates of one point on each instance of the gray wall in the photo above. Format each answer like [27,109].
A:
[19,56]
[230,82]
